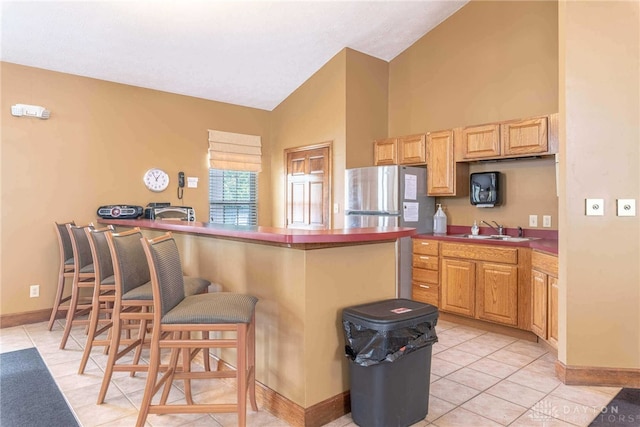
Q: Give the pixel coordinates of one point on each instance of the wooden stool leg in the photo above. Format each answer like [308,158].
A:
[251,350]
[154,364]
[73,304]
[58,300]
[142,335]
[111,360]
[241,373]
[94,316]
[173,363]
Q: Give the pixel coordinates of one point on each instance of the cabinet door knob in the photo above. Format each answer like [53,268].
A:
[425,286]
[424,243]
[424,257]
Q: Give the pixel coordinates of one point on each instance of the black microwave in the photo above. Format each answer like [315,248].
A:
[182,213]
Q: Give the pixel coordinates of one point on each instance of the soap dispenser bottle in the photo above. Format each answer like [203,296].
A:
[440,221]
[474,228]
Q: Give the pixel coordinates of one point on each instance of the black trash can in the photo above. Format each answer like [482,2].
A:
[389,347]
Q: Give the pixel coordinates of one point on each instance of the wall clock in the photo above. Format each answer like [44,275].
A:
[156,179]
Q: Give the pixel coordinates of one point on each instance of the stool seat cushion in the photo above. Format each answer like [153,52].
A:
[87,269]
[195,285]
[142,292]
[68,261]
[110,280]
[192,286]
[219,307]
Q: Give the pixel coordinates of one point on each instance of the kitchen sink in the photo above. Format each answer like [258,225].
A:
[496,237]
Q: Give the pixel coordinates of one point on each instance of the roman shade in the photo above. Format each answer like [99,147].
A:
[235,151]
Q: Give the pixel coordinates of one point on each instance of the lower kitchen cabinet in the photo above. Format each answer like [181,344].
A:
[425,271]
[544,296]
[480,282]
[497,293]
[458,286]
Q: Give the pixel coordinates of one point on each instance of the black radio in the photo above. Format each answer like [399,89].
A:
[120,211]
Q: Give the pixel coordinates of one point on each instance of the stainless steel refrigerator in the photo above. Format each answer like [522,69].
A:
[390,196]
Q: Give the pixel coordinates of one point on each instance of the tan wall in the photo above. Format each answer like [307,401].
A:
[488,62]
[314,113]
[600,109]
[367,106]
[94,149]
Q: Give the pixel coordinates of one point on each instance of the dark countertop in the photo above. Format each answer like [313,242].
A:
[546,240]
[301,239]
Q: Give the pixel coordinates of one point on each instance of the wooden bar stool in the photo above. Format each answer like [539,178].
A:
[103,292]
[83,278]
[176,316]
[133,303]
[65,272]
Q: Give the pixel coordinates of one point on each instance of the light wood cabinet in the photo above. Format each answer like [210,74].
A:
[480,281]
[524,137]
[425,271]
[458,286]
[553,312]
[510,139]
[445,177]
[480,142]
[544,296]
[412,150]
[404,150]
[497,293]
[385,151]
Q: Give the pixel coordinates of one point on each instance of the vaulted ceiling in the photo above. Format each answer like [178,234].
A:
[249,53]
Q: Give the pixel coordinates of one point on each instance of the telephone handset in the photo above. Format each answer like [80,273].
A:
[180,184]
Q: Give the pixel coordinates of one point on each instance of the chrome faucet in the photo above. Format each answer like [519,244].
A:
[498,230]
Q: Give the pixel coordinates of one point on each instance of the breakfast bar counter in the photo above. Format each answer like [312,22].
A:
[303,279]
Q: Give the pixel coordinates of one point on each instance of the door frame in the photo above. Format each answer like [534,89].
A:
[327,144]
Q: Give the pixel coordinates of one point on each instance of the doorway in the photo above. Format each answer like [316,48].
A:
[308,195]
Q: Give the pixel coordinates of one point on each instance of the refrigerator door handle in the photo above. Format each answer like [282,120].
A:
[370,213]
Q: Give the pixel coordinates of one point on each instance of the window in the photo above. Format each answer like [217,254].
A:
[233,197]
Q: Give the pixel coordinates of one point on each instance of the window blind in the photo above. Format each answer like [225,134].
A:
[234,151]
[233,197]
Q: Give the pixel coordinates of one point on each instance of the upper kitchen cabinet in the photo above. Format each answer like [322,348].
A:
[445,177]
[510,139]
[412,150]
[481,142]
[385,151]
[404,150]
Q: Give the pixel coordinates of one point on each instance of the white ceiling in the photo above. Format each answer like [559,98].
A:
[250,53]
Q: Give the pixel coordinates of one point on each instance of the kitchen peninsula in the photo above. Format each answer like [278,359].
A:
[303,278]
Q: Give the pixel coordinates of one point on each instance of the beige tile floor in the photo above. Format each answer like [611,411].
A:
[477,379]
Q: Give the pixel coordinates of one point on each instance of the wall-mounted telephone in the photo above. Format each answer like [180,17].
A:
[180,184]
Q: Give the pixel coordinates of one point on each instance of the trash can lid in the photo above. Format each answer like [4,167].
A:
[390,314]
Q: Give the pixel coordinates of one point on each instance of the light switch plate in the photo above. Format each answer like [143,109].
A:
[546,220]
[192,182]
[595,207]
[626,207]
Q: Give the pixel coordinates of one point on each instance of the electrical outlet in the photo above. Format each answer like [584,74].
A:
[594,207]
[546,221]
[533,220]
[34,291]
[626,207]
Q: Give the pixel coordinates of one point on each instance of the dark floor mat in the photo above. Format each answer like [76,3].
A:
[623,410]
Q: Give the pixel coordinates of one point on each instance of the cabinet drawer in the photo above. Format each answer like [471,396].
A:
[425,293]
[425,276]
[545,263]
[480,252]
[425,247]
[429,262]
